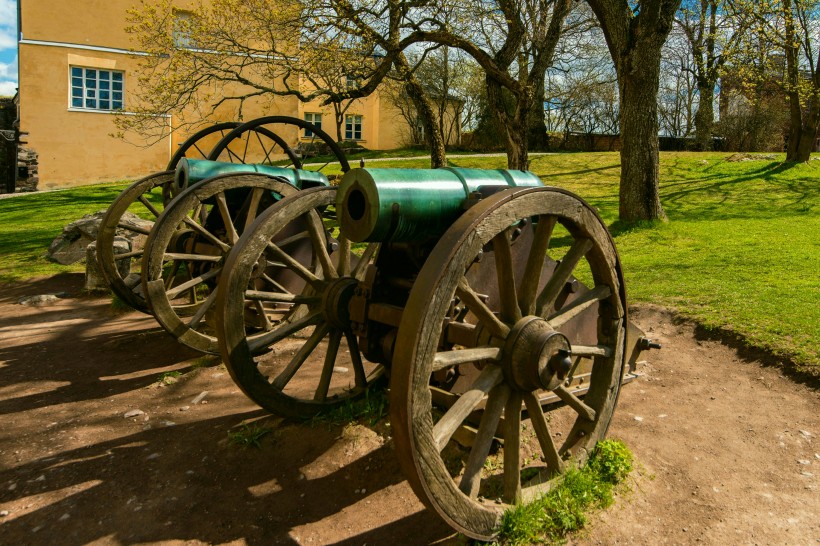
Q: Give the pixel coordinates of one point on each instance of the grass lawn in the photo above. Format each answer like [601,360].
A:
[741,250]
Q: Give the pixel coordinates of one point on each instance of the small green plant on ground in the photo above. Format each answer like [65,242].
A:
[118,305]
[248,435]
[368,410]
[562,510]
[169,378]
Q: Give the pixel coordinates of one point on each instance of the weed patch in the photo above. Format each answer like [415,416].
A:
[563,509]
[248,435]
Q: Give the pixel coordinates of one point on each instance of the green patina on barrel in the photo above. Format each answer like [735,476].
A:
[191,171]
[402,205]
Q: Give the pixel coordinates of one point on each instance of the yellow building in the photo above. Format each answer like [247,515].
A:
[76,69]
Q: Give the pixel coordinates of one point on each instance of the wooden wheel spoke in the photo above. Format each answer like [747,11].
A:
[281,297]
[191,257]
[200,313]
[535,262]
[344,256]
[576,403]
[300,357]
[448,359]
[579,305]
[358,366]
[512,449]
[591,350]
[262,312]
[546,299]
[147,204]
[510,312]
[319,239]
[253,207]
[480,309]
[134,228]
[294,265]
[128,255]
[471,478]
[542,432]
[267,278]
[327,369]
[361,266]
[225,213]
[264,148]
[169,280]
[179,289]
[269,338]
[458,412]
[207,234]
[301,236]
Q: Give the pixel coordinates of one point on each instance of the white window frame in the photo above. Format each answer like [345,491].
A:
[88,89]
[353,126]
[182,29]
[315,118]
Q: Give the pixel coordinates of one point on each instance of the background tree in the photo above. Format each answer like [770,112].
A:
[635,33]
[677,95]
[713,33]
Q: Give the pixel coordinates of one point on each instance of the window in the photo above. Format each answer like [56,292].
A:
[183,22]
[315,119]
[95,89]
[352,82]
[353,127]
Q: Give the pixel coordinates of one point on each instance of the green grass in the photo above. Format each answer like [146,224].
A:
[31,222]
[368,410]
[248,435]
[564,508]
[740,253]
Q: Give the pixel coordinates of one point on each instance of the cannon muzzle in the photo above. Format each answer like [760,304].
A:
[401,205]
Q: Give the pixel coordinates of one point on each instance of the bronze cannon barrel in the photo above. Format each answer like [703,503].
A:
[402,205]
[191,171]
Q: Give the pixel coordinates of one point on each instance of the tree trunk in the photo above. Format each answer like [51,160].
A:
[512,126]
[705,116]
[426,111]
[537,126]
[639,195]
[802,132]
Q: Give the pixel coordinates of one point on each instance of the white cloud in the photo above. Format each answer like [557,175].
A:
[8,89]
[8,24]
[8,71]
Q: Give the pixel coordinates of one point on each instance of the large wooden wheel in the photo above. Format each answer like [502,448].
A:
[145,198]
[249,143]
[544,355]
[306,359]
[186,250]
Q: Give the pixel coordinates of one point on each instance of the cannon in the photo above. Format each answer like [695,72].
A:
[495,307]
[213,187]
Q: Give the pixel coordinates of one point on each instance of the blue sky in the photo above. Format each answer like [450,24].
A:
[8,47]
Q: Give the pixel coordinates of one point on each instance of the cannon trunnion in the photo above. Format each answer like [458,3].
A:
[495,306]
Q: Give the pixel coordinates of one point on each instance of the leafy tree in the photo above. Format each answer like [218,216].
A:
[713,33]
[793,27]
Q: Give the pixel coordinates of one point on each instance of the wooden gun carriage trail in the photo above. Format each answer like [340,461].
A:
[493,306]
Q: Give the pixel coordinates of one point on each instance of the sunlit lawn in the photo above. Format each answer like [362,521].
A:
[741,250]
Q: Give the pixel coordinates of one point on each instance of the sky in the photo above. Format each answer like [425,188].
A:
[8,48]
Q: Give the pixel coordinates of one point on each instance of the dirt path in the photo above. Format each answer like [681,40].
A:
[729,449]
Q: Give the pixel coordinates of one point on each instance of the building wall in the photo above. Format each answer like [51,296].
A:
[76,146]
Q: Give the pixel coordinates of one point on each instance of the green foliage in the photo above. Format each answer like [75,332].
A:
[248,435]
[563,508]
[169,378]
[368,410]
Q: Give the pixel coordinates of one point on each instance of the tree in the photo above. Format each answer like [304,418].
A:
[713,34]
[635,33]
[677,96]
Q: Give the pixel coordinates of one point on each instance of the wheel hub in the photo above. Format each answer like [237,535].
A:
[336,299]
[536,356]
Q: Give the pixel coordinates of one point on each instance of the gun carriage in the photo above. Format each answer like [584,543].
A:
[493,305]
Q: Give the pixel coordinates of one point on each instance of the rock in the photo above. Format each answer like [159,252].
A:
[638,418]
[152,456]
[94,279]
[4,513]
[39,300]
[70,246]
[133,413]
